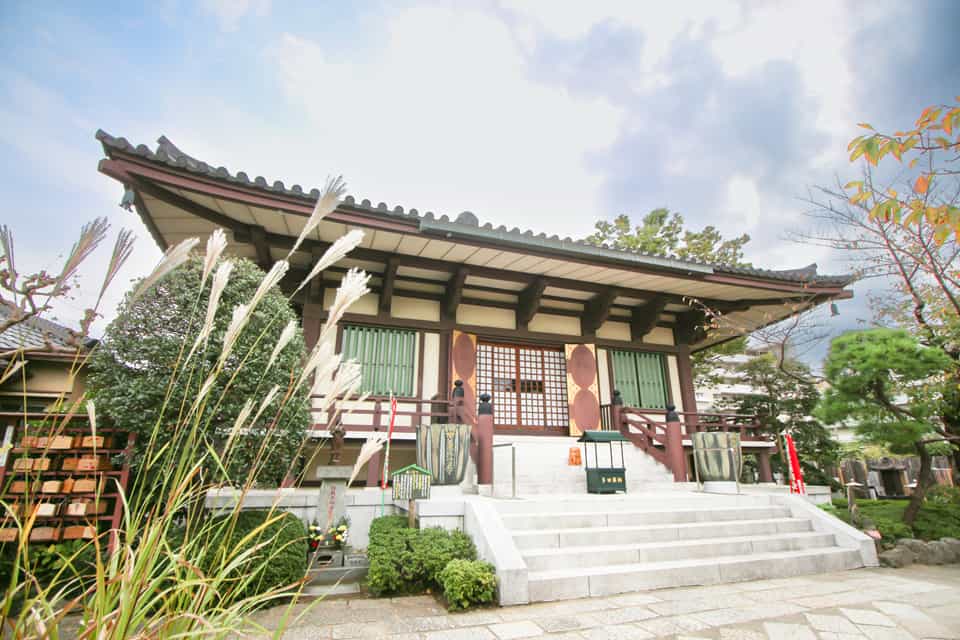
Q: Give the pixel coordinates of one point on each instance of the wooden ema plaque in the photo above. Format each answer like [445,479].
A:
[55,476]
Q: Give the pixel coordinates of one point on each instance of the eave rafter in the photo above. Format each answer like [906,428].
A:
[596,311]
[691,327]
[529,300]
[644,317]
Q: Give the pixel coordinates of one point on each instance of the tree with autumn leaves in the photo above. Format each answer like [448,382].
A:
[931,150]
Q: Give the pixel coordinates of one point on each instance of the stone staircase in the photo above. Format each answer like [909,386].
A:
[580,546]
[542,466]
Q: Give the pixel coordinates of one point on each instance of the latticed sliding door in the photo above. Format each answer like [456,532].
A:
[527,385]
[641,378]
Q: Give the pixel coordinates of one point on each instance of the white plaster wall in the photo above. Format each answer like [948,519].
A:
[431,364]
[614,331]
[603,371]
[366,305]
[486,316]
[549,323]
[659,335]
[674,379]
[414,309]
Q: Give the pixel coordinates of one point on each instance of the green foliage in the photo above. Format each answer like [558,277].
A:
[280,560]
[130,372]
[69,564]
[934,520]
[943,494]
[870,373]
[467,583]
[784,403]
[661,233]
[405,561]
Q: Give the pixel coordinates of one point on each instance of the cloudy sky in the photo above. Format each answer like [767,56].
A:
[540,114]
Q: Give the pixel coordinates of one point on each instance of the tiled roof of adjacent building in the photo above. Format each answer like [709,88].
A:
[466,222]
[36,333]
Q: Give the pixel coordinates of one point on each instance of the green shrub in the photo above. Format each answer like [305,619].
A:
[468,582]
[892,530]
[281,560]
[386,524]
[71,565]
[406,561]
[935,521]
[943,494]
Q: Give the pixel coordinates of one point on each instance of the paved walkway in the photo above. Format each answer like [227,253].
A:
[916,602]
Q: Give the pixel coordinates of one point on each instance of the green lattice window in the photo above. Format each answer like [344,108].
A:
[640,378]
[387,358]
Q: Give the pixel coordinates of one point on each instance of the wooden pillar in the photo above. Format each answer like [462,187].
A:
[687,394]
[313,317]
[763,465]
[484,437]
[374,469]
[676,459]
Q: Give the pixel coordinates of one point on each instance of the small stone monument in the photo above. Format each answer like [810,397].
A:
[333,488]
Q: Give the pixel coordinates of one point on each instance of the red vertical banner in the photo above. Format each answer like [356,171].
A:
[386,456]
[797,484]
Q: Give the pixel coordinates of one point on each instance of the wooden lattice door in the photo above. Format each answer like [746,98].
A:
[528,387]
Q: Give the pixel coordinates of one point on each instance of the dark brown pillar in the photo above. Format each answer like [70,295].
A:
[484,438]
[687,394]
[676,459]
[374,470]
[312,323]
[763,465]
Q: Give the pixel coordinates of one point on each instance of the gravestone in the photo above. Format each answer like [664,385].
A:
[333,488]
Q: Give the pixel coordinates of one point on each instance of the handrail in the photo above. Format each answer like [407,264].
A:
[513,468]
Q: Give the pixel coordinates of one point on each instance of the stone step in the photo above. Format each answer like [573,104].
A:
[586,503]
[571,583]
[586,536]
[605,555]
[587,519]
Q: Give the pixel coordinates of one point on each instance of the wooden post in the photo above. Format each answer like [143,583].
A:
[688,396]
[616,413]
[412,513]
[763,465]
[676,460]
[484,439]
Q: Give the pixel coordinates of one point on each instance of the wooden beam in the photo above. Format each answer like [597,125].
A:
[454,294]
[258,237]
[596,311]
[386,287]
[529,302]
[645,316]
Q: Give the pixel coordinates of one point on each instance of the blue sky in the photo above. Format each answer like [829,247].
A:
[536,114]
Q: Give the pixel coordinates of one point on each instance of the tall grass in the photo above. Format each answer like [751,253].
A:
[166,572]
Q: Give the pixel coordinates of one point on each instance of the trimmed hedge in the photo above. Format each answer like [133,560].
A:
[283,560]
[408,561]
[467,583]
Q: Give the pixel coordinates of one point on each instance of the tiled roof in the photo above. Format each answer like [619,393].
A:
[35,333]
[466,222]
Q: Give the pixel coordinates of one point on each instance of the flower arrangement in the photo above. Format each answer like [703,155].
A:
[335,536]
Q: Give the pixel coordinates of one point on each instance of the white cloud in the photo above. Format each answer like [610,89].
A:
[229,13]
[443,116]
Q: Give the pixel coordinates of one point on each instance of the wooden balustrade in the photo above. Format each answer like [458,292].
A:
[347,411]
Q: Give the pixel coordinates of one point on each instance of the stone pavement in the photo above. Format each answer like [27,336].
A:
[916,602]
